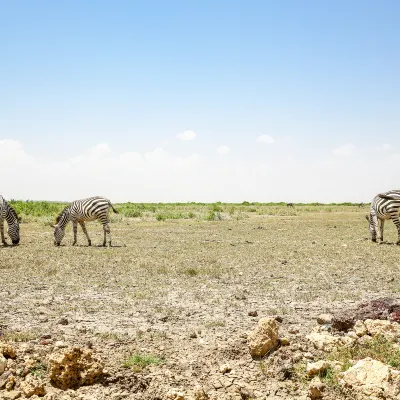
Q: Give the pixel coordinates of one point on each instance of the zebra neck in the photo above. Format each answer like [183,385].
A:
[64,219]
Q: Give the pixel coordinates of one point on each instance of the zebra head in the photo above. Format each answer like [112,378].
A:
[58,234]
[13,232]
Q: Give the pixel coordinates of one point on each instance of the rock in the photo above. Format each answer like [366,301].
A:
[385,328]
[63,321]
[175,395]
[324,319]
[225,368]
[324,341]
[284,341]
[59,344]
[11,381]
[264,337]
[4,379]
[74,368]
[252,313]
[317,367]
[7,350]
[3,364]
[360,329]
[383,309]
[293,330]
[200,394]
[13,395]
[316,389]
[369,378]
[32,386]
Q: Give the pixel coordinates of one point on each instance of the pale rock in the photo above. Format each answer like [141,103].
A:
[3,364]
[13,395]
[293,330]
[382,327]
[225,368]
[360,328]
[324,319]
[32,386]
[74,368]
[59,344]
[4,379]
[316,389]
[352,335]
[175,395]
[7,350]
[11,381]
[323,341]
[368,377]
[264,337]
[284,341]
[317,367]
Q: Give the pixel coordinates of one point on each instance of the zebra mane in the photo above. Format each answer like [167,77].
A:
[59,216]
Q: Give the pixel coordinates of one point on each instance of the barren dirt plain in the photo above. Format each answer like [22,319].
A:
[178,294]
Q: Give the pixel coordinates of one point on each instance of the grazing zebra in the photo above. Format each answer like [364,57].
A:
[384,206]
[80,211]
[8,213]
[361,205]
[289,205]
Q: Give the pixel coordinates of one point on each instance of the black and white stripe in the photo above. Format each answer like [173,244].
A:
[384,206]
[7,213]
[80,211]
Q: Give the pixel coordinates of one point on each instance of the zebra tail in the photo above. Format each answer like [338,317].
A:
[116,212]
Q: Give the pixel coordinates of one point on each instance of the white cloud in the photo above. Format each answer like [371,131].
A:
[187,135]
[266,139]
[385,147]
[158,175]
[223,150]
[345,150]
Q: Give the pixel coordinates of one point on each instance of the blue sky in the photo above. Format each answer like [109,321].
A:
[123,79]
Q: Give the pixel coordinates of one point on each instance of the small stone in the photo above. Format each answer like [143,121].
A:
[317,367]
[225,368]
[175,395]
[252,313]
[3,364]
[4,378]
[13,395]
[293,330]
[360,328]
[324,319]
[316,389]
[264,337]
[59,344]
[32,386]
[284,341]
[7,350]
[11,381]
[46,336]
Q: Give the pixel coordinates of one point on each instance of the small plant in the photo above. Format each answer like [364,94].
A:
[38,370]
[18,336]
[140,361]
[191,271]
[161,217]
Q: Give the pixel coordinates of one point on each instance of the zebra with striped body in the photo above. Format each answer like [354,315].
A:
[384,206]
[80,211]
[7,213]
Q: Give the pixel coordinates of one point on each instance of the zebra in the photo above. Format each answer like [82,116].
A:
[289,205]
[360,205]
[80,211]
[384,206]
[8,214]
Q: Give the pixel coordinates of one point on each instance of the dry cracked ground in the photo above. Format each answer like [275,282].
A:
[183,295]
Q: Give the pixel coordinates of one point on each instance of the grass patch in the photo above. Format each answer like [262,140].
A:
[379,348]
[18,336]
[138,362]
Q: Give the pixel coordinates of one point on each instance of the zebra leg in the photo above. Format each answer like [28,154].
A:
[75,228]
[381,224]
[396,221]
[373,226]
[3,240]
[83,226]
[106,229]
